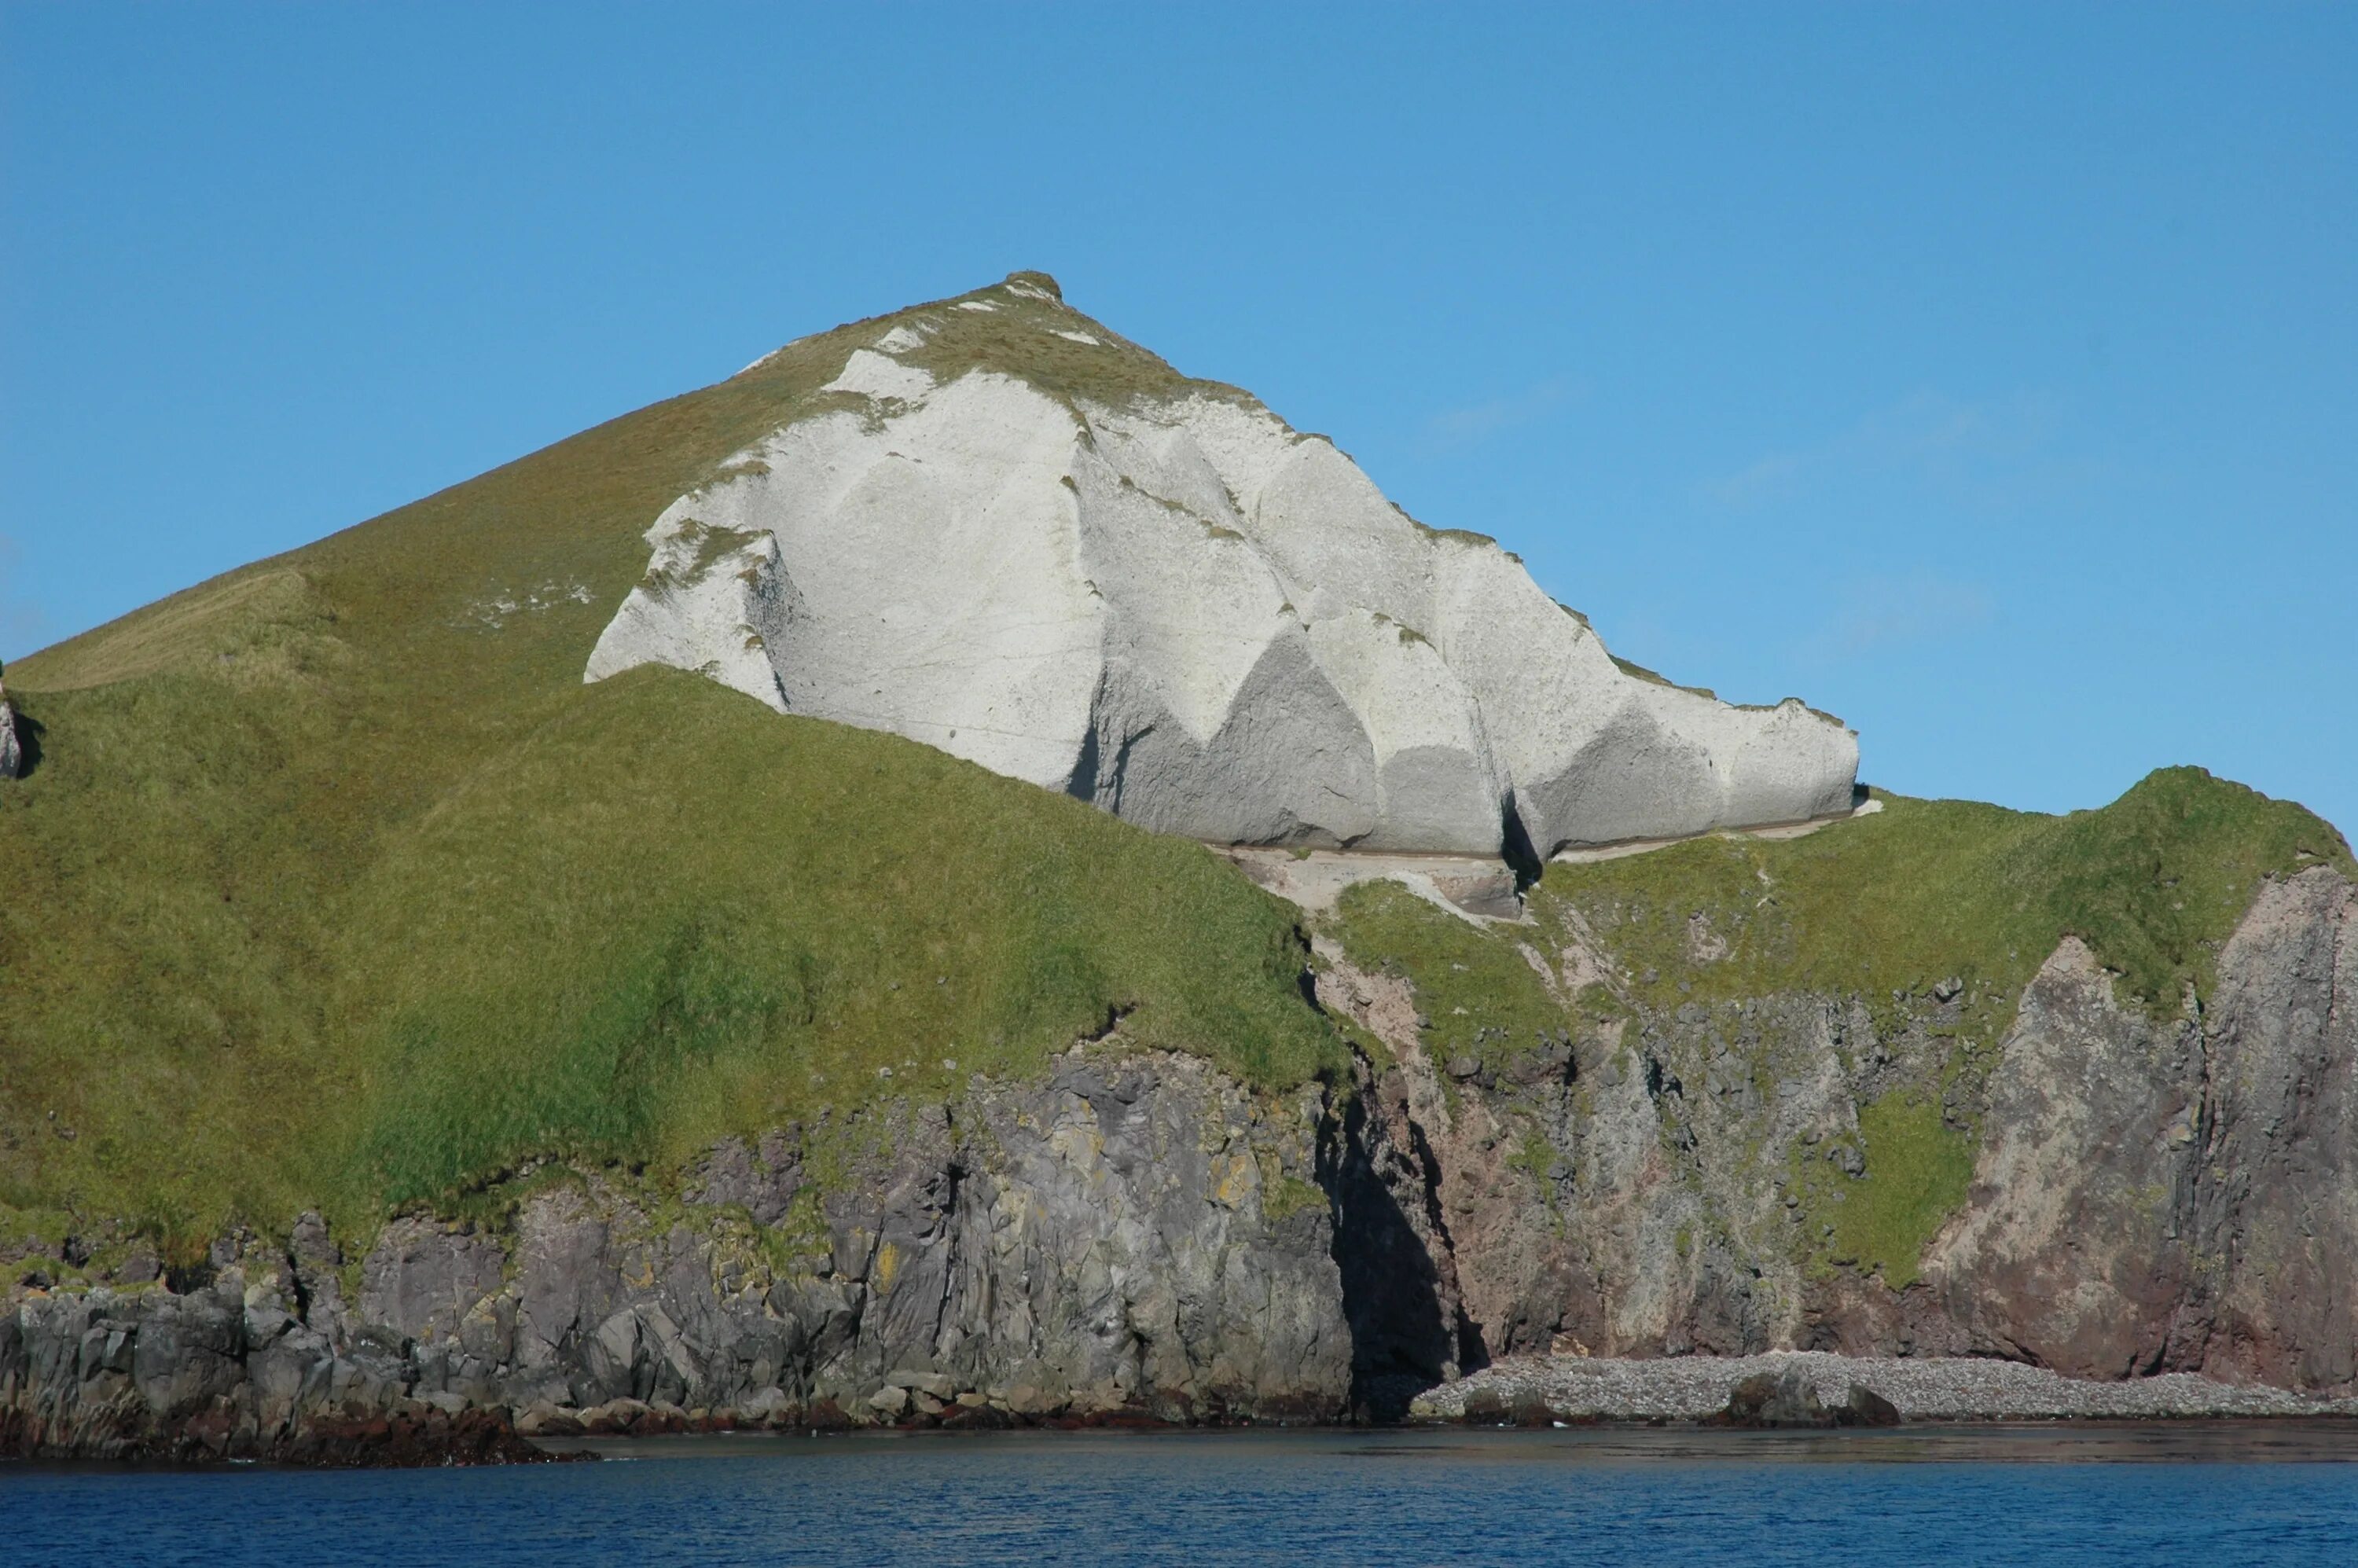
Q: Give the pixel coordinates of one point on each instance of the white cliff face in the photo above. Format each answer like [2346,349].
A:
[12,754]
[1175,606]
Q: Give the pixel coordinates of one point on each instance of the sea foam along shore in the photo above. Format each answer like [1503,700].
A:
[1530,1390]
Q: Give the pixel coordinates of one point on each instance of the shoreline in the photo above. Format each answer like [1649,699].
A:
[1672,1396]
[1539,1391]
[2311,1434]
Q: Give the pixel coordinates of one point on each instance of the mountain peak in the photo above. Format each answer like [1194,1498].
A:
[1038,282]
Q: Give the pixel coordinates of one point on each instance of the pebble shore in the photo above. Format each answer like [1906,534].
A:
[1688,1388]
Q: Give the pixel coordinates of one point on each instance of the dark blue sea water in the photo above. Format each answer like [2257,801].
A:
[2212,1495]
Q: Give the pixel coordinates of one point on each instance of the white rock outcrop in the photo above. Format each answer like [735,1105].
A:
[1172,604]
[12,752]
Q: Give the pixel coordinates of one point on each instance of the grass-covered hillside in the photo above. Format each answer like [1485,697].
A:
[333,884]
[1919,893]
[1922,901]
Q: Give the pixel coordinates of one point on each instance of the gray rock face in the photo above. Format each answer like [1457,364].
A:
[423,1278]
[762,1182]
[1135,1236]
[2148,1197]
[2068,1259]
[1770,1400]
[2275,1188]
[1790,1399]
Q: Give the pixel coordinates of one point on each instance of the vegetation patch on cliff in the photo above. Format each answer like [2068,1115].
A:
[1918,1171]
[1477,996]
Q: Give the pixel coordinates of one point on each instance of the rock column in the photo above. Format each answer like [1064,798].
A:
[12,754]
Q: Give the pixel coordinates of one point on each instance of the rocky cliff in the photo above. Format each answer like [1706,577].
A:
[1137,1235]
[1004,531]
[2147,1194]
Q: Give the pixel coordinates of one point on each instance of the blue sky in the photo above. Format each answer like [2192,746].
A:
[1987,375]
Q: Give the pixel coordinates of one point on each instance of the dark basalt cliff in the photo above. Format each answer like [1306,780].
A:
[1137,1237]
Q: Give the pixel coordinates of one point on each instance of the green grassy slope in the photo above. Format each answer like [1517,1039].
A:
[1928,890]
[1881,908]
[335,885]
[1897,901]
[752,915]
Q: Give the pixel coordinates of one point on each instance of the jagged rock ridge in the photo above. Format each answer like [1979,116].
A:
[1154,593]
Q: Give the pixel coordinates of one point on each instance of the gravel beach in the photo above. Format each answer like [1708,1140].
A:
[1575,1387]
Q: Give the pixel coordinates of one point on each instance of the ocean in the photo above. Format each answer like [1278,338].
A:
[2272,1492]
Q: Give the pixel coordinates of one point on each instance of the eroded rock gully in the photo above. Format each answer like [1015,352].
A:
[1135,1236]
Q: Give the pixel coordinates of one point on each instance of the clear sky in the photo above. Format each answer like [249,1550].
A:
[1987,375]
